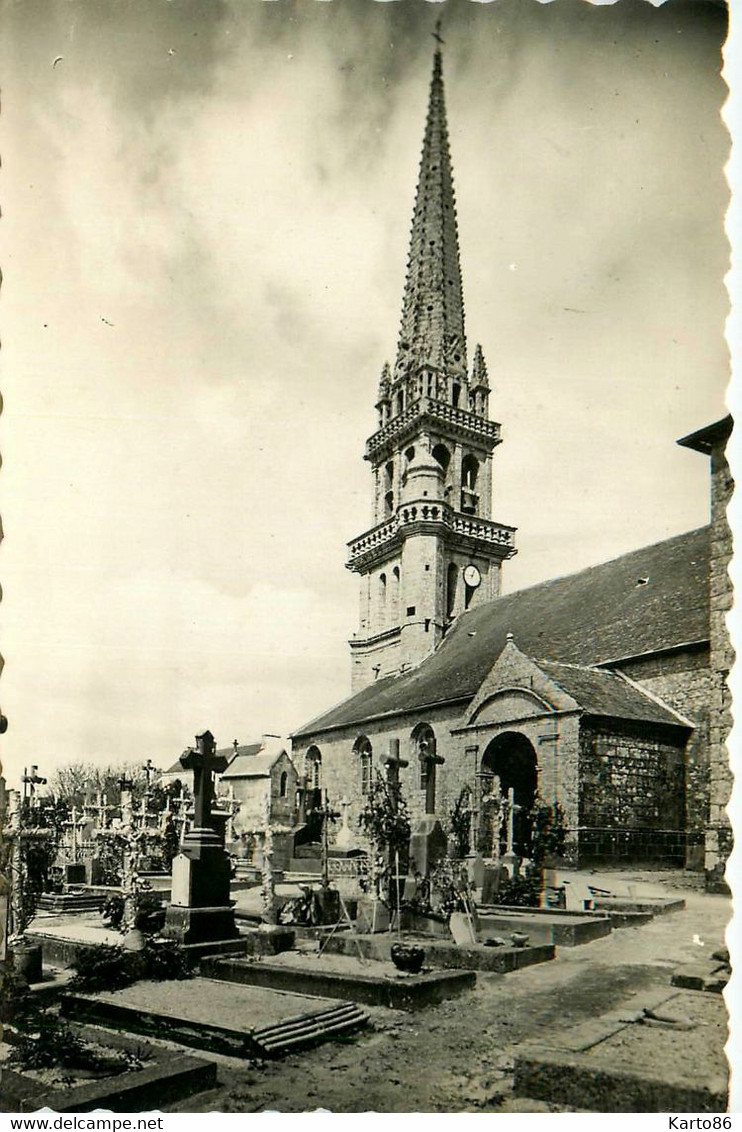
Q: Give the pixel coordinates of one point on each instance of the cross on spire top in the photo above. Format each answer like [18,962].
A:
[437,31]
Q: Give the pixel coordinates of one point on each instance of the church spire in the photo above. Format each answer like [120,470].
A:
[432,330]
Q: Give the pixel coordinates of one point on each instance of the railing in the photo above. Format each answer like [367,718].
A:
[437,410]
[425,511]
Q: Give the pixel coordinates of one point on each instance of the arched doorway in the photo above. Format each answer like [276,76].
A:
[509,763]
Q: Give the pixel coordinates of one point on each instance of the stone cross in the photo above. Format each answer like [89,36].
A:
[127,810]
[31,781]
[393,762]
[204,762]
[328,815]
[510,859]
[234,808]
[344,838]
[73,825]
[149,770]
[511,820]
[165,814]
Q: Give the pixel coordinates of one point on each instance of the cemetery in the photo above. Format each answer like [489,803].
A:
[143,938]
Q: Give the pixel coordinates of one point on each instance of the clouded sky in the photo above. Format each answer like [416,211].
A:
[207,208]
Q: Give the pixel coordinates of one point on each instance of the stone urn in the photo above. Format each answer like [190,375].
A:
[407,957]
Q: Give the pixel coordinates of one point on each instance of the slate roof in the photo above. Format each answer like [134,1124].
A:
[647,601]
[228,752]
[253,766]
[602,692]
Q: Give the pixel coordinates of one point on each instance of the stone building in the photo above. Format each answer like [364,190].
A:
[262,778]
[603,690]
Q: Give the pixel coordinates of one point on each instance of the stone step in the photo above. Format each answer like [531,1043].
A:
[307,1030]
[67,903]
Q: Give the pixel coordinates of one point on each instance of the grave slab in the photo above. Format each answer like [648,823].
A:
[543,925]
[205,1013]
[657,905]
[446,955]
[376,984]
[636,1060]
[709,975]
[171,1077]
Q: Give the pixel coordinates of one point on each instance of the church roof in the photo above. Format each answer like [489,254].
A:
[432,328]
[647,601]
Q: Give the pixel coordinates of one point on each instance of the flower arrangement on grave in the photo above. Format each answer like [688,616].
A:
[496,811]
[548,835]
[111,845]
[448,887]
[385,821]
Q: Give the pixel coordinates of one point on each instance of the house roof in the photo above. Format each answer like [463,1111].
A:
[228,753]
[644,602]
[253,766]
[603,692]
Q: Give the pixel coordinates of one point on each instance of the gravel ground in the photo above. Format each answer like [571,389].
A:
[457,1057]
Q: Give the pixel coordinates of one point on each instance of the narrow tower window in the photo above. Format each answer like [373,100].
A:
[452,579]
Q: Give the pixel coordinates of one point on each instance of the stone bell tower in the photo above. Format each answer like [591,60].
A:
[433,550]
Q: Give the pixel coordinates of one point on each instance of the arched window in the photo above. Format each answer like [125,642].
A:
[442,455]
[283,784]
[313,768]
[382,597]
[455,394]
[388,504]
[364,752]
[424,740]
[469,471]
[400,401]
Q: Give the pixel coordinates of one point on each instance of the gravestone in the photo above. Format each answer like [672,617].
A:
[428,845]
[74,873]
[200,910]
[495,876]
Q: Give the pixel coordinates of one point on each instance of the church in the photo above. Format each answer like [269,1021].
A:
[604,691]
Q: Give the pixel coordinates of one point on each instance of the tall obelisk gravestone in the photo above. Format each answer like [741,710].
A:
[200,910]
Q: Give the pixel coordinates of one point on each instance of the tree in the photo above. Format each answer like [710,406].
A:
[79,782]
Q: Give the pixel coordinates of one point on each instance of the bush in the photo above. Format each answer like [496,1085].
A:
[113,911]
[459,821]
[105,968]
[164,959]
[522,891]
[111,968]
[45,1041]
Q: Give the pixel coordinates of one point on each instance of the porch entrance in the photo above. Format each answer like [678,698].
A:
[509,763]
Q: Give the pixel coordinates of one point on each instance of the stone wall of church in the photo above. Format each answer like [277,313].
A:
[555,741]
[632,798]
[719,832]
[683,680]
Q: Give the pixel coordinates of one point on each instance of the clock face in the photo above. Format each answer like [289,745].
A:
[472,577]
